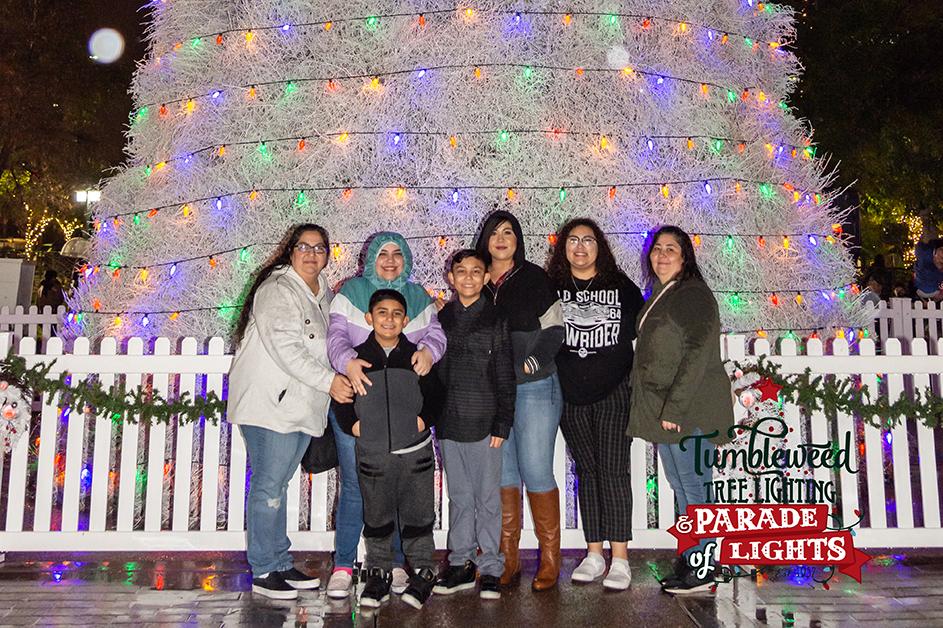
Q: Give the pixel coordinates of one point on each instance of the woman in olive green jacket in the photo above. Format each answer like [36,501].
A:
[679,386]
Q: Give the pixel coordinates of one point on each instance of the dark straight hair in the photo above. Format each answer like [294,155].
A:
[689,267]
[283,258]
[559,266]
[488,227]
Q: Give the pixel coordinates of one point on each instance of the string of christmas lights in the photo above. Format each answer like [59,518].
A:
[645,22]
[88,270]
[714,143]
[827,293]
[765,189]
[376,82]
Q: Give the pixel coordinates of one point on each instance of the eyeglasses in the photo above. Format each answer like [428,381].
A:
[586,241]
[304,247]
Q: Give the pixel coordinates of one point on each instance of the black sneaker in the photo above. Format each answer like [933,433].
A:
[690,584]
[679,570]
[274,586]
[456,578]
[490,588]
[377,589]
[299,579]
[420,588]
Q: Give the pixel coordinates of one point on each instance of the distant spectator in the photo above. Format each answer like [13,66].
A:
[875,291]
[50,291]
[928,273]
[878,269]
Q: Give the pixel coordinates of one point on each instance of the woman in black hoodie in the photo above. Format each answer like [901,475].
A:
[525,296]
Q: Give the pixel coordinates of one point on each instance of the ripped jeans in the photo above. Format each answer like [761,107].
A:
[273,458]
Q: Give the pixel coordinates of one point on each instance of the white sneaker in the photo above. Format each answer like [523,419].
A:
[338,587]
[620,575]
[400,580]
[592,568]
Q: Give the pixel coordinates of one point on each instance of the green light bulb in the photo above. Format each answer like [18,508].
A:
[137,219]
[244,254]
[290,89]
[372,22]
[263,149]
[562,194]
[195,42]
[717,145]
[528,72]
[747,42]
[504,136]
[728,243]
[301,199]
[731,96]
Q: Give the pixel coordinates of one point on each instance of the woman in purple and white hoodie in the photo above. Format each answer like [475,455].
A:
[387,264]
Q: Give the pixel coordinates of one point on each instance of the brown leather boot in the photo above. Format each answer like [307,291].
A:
[510,532]
[546,510]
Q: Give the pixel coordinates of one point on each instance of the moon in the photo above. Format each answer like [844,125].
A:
[106,45]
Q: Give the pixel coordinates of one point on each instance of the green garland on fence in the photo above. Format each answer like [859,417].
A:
[847,395]
[809,391]
[141,405]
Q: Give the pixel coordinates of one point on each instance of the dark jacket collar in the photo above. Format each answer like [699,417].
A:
[482,309]
[400,356]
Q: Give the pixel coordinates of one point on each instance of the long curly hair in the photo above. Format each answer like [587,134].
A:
[558,266]
[283,258]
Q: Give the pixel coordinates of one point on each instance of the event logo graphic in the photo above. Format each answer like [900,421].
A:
[763,511]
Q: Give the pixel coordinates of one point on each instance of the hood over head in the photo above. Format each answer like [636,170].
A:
[380,240]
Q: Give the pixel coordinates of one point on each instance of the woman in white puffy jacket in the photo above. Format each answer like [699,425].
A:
[280,387]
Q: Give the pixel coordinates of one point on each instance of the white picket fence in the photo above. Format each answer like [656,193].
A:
[31,322]
[905,320]
[88,492]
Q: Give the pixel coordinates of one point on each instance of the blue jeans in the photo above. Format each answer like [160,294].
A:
[687,485]
[348,522]
[528,452]
[273,458]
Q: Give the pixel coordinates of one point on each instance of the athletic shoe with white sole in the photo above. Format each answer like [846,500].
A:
[377,589]
[338,587]
[420,588]
[274,586]
[490,588]
[456,578]
[620,575]
[592,568]
[690,584]
[299,579]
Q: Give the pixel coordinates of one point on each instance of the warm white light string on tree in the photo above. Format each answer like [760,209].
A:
[423,117]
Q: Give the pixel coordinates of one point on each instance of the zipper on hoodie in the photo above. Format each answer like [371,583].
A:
[389,426]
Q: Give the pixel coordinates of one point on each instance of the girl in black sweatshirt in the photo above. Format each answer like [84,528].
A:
[525,296]
[600,305]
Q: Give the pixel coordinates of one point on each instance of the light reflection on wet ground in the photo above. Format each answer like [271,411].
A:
[211,588]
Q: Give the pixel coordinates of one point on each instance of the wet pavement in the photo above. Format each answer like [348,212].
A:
[213,589]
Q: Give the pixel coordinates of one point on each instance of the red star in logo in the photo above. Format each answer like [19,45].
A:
[769,390]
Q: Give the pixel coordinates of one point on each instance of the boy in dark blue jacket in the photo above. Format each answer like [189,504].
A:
[395,462]
[478,412]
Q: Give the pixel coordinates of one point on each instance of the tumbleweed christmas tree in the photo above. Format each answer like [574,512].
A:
[422,117]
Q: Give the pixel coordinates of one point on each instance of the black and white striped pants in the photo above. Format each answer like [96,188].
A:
[595,435]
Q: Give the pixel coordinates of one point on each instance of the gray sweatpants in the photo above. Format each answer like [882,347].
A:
[473,475]
[400,484]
